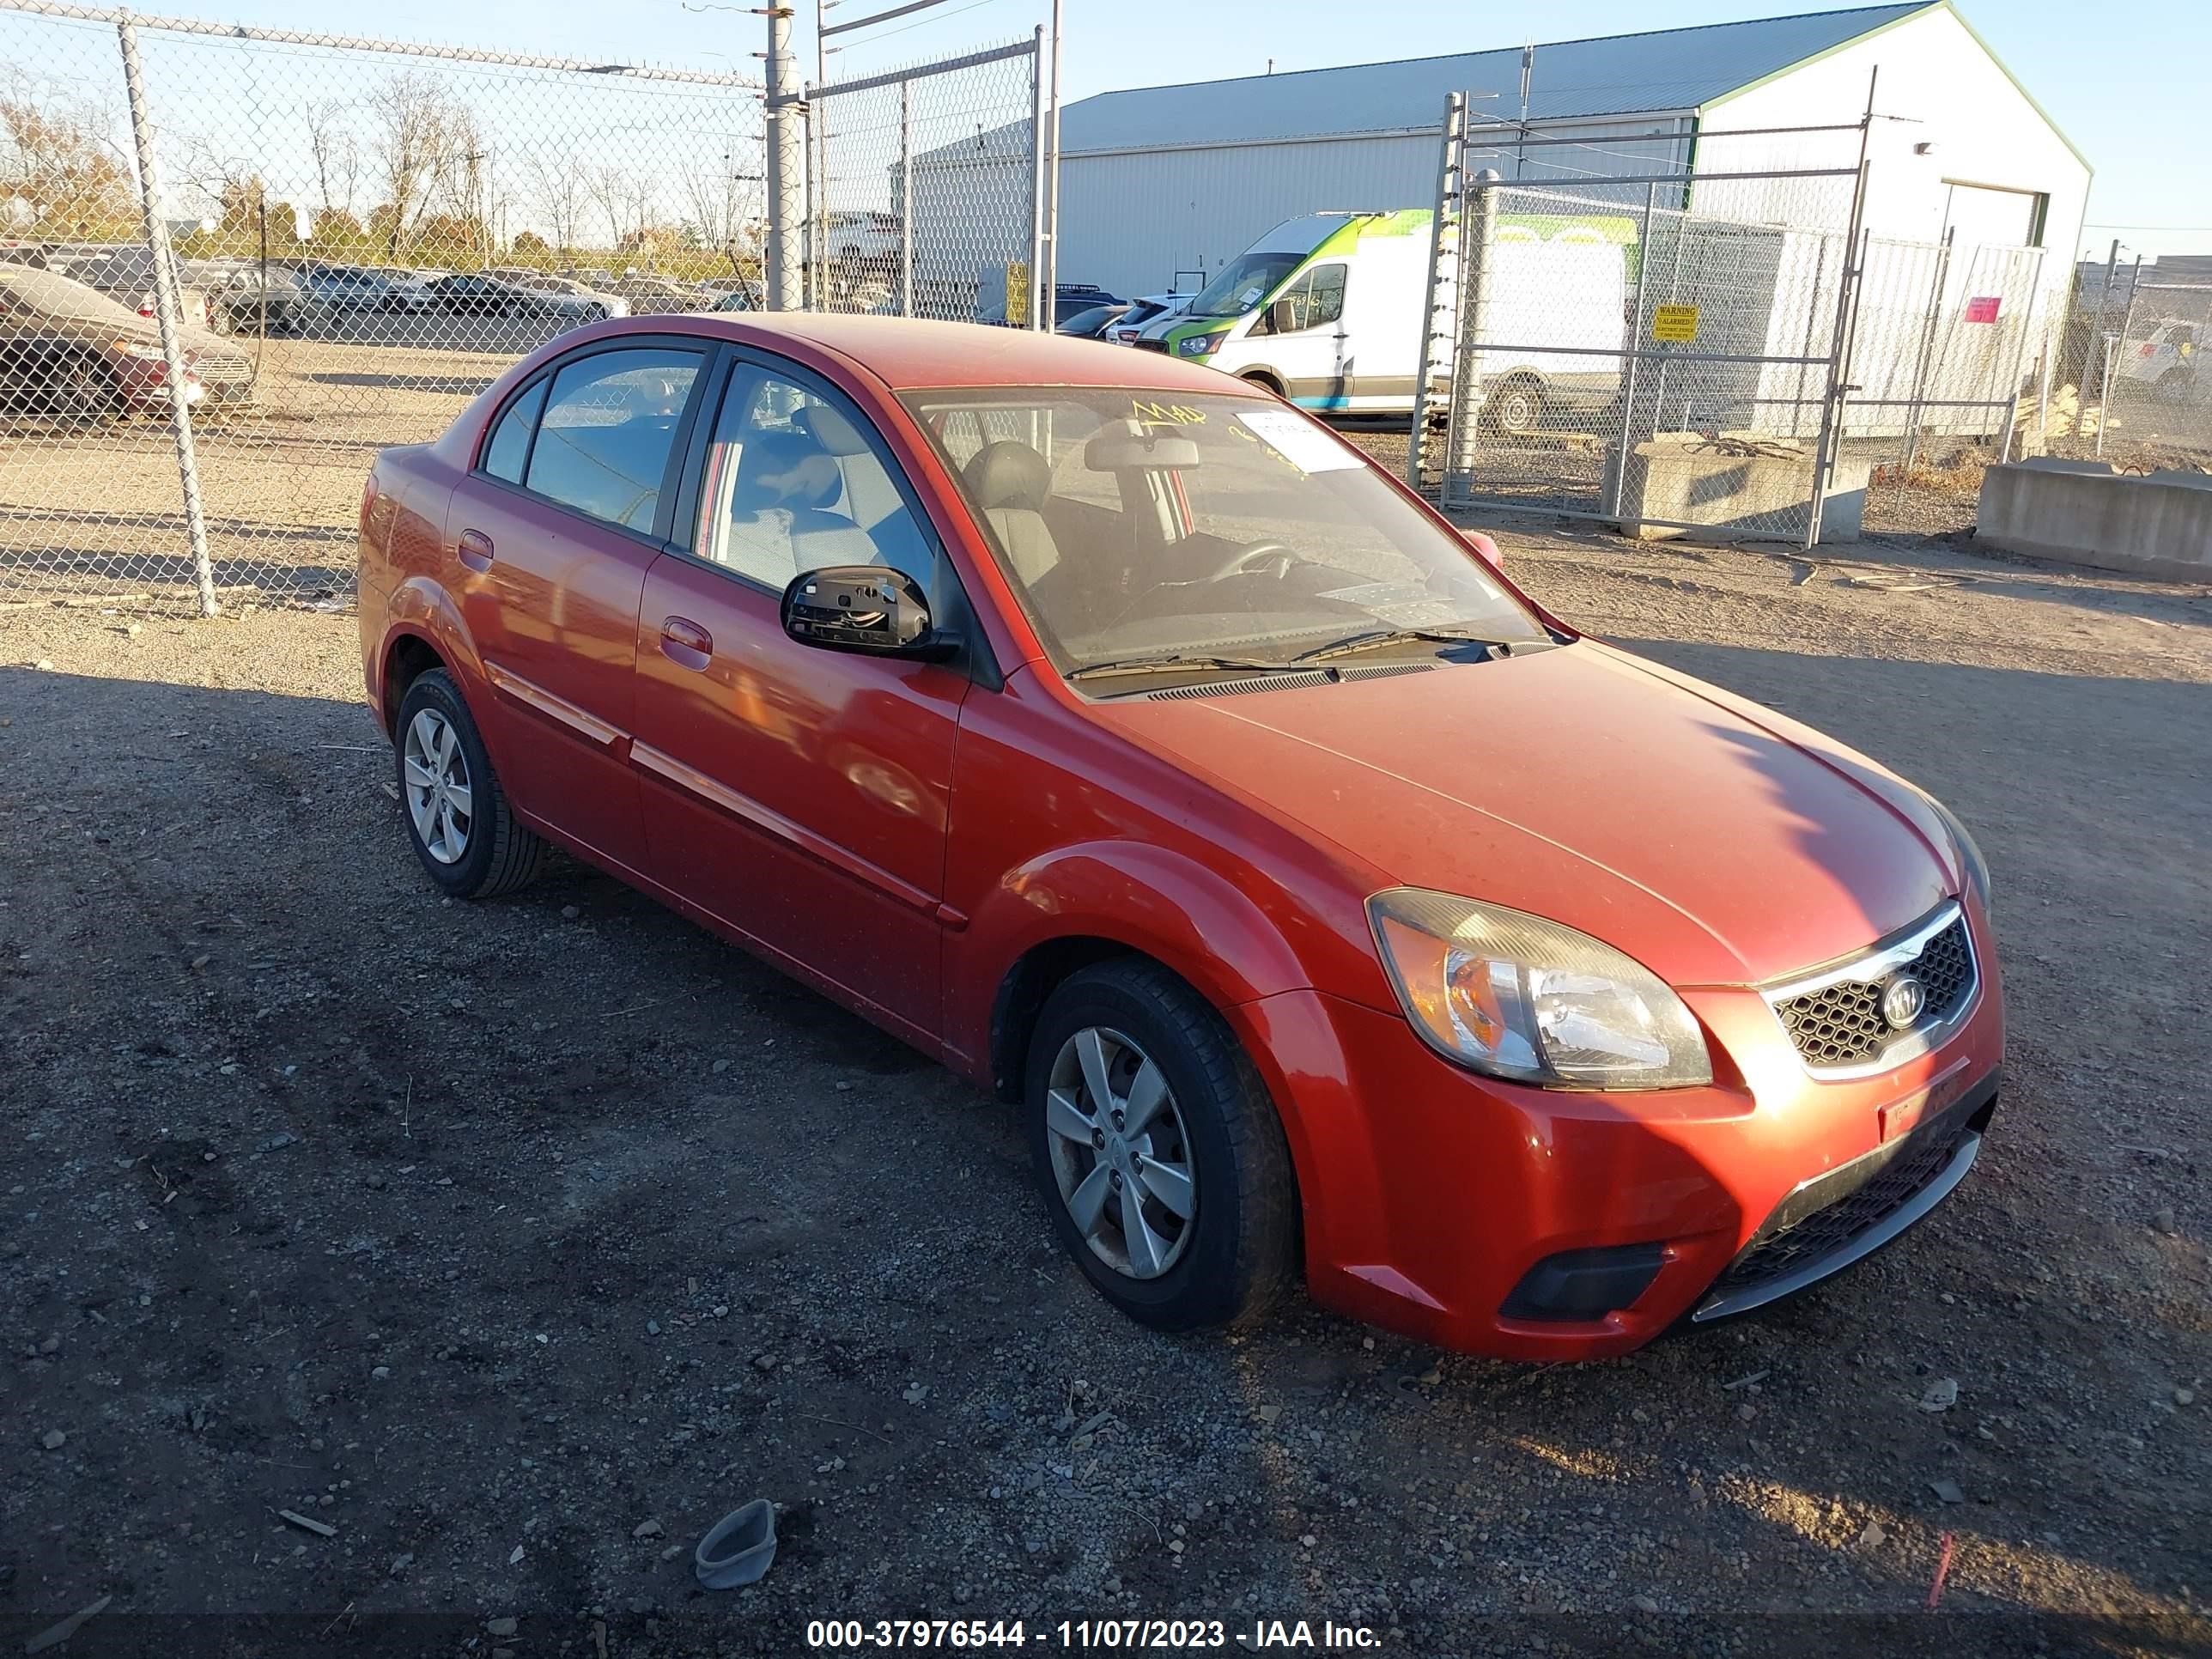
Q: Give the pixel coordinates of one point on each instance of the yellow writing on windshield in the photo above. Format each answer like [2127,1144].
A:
[1152,414]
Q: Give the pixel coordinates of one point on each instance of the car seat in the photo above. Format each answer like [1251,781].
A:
[1008,482]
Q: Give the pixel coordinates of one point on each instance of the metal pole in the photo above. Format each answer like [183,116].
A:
[1913,412]
[1847,289]
[1448,164]
[1052,164]
[1611,504]
[784,167]
[2019,360]
[2089,336]
[906,198]
[167,313]
[817,173]
[1478,233]
[2105,401]
[1040,299]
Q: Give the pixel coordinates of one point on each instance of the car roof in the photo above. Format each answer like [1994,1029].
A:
[909,353]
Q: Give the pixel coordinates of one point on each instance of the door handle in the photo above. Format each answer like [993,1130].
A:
[476,550]
[686,644]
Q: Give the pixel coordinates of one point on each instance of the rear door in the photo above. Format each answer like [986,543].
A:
[800,796]
[568,504]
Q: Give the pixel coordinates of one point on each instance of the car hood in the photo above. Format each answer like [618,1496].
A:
[1679,824]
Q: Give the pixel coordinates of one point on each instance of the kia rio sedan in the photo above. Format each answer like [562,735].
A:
[1117,735]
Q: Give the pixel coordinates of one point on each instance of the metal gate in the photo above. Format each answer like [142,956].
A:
[1626,339]
[926,189]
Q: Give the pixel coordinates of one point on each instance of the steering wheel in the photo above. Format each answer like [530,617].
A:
[1247,558]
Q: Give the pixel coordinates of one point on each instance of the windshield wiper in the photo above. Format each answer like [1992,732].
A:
[1356,643]
[1168,662]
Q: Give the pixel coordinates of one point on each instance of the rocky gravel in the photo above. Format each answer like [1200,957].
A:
[365,1255]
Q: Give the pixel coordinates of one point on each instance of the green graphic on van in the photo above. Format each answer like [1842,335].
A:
[1328,311]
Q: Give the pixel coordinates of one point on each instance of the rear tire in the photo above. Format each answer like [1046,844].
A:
[464,833]
[1515,408]
[1212,1145]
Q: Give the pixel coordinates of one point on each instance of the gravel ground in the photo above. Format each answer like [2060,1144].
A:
[510,1245]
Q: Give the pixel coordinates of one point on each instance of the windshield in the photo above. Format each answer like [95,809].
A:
[1244,282]
[1134,524]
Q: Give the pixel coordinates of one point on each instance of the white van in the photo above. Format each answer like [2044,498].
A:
[1326,309]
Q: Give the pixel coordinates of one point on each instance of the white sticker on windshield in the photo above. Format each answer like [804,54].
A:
[1298,441]
[1407,604]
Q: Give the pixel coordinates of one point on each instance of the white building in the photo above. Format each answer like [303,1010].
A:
[1161,185]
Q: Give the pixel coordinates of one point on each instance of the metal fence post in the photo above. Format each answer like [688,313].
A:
[1478,233]
[2020,361]
[906,199]
[2089,336]
[1040,306]
[784,166]
[167,313]
[1447,166]
[1052,165]
[1849,277]
[1915,409]
[1634,344]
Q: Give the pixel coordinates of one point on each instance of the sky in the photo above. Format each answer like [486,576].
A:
[2130,87]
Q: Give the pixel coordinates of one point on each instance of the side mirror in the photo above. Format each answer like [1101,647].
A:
[868,608]
[1282,318]
[1485,549]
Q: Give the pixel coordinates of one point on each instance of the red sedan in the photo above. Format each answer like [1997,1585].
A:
[1119,736]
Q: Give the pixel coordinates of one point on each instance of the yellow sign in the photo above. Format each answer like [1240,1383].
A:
[1676,323]
[1017,294]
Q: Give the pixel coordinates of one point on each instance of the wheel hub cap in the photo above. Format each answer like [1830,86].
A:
[435,779]
[1120,1155]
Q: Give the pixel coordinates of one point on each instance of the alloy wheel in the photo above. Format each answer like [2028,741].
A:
[439,796]
[1120,1153]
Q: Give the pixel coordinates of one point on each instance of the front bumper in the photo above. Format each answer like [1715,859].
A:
[1429,1193]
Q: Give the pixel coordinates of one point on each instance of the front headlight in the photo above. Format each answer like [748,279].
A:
[1201,345]
[1970,853]
[1520,998]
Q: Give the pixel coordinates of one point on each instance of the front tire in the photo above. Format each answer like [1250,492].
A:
[1158,1152]
[1515,408]
[465,834]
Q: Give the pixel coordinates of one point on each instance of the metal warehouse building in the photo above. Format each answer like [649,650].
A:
[1161,185]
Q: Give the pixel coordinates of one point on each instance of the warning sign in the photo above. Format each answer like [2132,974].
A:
[1676,323]
[1982,308]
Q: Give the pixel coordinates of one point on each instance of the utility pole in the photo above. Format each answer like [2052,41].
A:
[785,112]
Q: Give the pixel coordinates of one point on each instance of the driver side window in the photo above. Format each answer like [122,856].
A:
[794,481]
[1314,299]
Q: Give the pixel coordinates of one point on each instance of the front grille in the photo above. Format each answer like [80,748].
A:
[1142,345]
[1842,1023]
[1831,1226]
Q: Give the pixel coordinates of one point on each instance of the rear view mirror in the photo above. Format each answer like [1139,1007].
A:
[867,608]
[1125,445]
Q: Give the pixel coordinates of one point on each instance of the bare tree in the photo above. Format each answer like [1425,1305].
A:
[611,191]
[423,140]
[556,190]
[338,156]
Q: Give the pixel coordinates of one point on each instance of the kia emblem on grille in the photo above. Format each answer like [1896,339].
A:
[1902,1002]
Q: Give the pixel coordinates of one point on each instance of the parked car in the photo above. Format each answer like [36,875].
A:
[868,238]
[242,297]
[1092,321]
[1148,308]
[335,290]
[125,274]
[2165,357]
[656,295]
[69,352]
[473,294]
[571,298]
[407,289]
[1133,744]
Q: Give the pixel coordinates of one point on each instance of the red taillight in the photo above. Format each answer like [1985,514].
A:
[2149,351]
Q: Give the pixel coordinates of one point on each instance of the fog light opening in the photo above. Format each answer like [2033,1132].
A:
[1585,1285]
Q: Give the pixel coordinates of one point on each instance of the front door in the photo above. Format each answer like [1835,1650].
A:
[1304,330]
[797,795]
[554,531]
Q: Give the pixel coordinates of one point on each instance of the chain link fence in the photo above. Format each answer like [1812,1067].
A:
[2139,393]
[926,188]
[351,238]
[1669,340]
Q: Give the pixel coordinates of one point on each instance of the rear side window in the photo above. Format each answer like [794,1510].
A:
[510,440]
[609,424]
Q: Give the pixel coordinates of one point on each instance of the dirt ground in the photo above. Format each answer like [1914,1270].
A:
[511,1245]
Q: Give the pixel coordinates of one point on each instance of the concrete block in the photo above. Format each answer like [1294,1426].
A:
[1746,484]
[2160,525]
